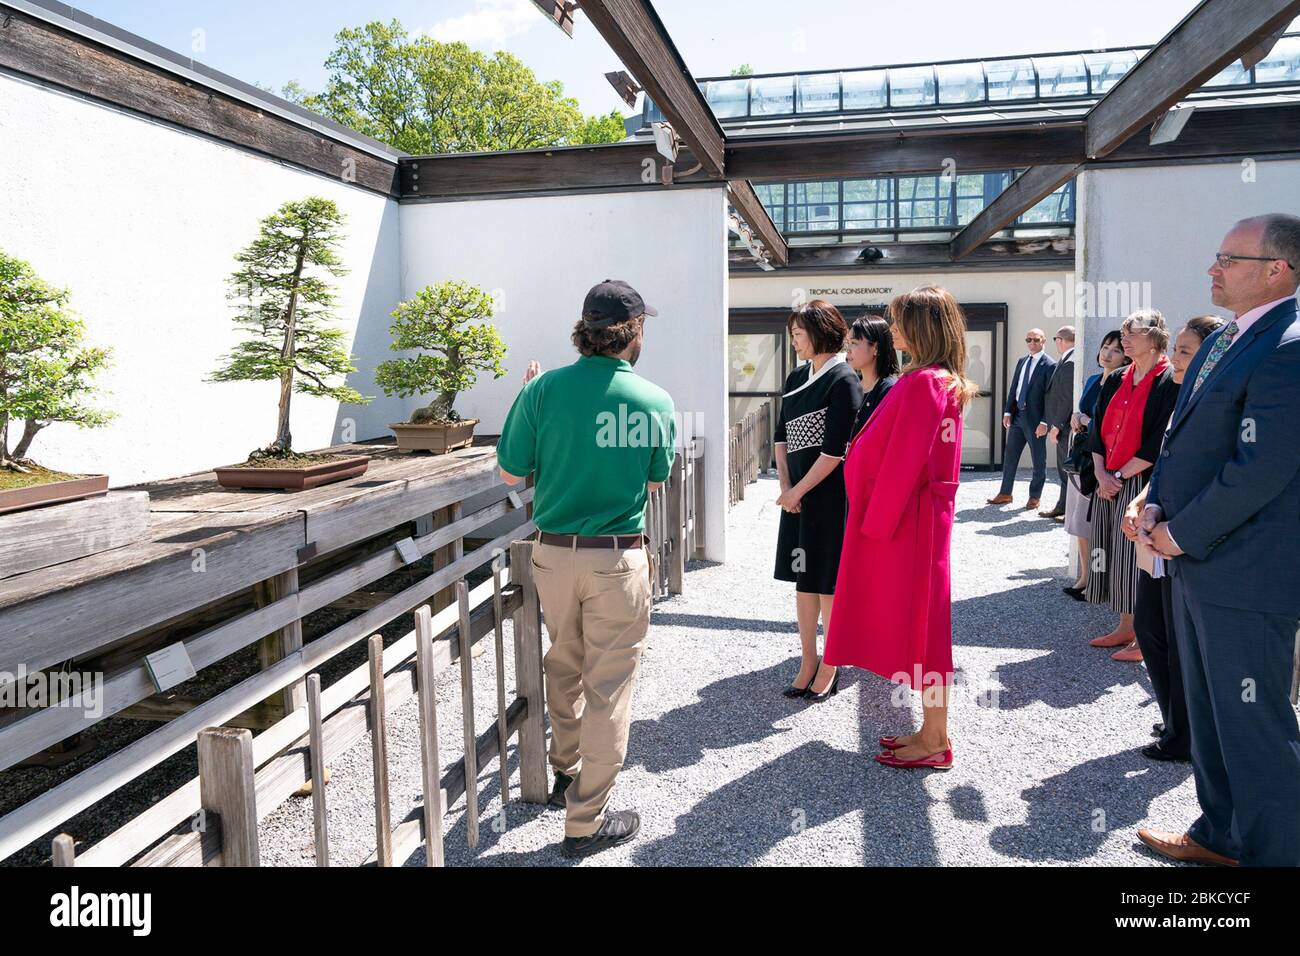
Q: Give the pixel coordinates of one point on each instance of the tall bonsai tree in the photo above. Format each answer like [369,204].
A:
[285,303]
[45,370]
[445,321]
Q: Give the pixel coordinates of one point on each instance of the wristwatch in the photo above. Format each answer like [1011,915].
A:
[1119,474]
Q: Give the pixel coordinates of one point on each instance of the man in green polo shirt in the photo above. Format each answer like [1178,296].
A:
[597,437]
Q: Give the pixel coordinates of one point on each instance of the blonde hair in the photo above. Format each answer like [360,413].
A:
[934,327]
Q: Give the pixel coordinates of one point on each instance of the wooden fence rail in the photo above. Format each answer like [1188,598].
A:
[212,819]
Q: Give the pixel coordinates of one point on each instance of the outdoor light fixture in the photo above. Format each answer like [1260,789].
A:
[665,140]
[558,12]
[871,254]
[1167,128]
[624,86]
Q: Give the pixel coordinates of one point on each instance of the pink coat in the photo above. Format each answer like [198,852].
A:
[893,612]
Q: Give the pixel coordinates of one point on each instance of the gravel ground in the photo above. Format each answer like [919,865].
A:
[725,771]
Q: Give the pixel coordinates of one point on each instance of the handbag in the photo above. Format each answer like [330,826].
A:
[1078,465]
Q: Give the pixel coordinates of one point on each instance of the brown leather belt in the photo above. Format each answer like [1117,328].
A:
[620,542]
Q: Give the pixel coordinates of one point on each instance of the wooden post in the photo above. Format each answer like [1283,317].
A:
[276,647]
[64,851]
[431,772]
[318,771]
[677,524]
[697,454]
[228,789]
[528,676]
[465,648]
[447,554]
[379,752]
[498,636]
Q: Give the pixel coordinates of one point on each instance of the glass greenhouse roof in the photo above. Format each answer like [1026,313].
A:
[1001,82]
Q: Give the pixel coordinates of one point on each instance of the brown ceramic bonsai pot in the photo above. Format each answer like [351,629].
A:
[54,492]
[437,437]
[298,478]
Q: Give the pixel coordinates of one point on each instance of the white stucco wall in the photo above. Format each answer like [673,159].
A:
[140,221]
[540,255]
[1030,298]
[1152,232]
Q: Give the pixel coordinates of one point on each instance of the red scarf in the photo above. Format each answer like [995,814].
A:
[1121,429]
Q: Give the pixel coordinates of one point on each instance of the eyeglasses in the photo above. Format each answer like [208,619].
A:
[1031,340]
[1225,260]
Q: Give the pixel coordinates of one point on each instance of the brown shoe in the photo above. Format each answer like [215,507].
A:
[1000,500]
[1031,504]
[1181,847]
[1054,513]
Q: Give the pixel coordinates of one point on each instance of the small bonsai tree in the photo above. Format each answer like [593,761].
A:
[45,370]
[441,319]
[286,305]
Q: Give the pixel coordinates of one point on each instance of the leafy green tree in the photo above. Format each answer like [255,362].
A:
[285,303]
[443,319]
[600,129]
[743,70]
[45,371]
[422,96]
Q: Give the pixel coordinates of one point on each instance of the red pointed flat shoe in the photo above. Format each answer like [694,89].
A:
[937,761]
[890,742]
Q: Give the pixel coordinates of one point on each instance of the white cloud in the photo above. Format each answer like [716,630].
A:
[488,24]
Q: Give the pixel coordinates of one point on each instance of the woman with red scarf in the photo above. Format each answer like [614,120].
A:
[1133,410]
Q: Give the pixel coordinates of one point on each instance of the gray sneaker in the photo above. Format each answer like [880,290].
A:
[618,827]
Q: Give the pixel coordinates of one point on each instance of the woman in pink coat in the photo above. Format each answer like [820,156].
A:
[892,609]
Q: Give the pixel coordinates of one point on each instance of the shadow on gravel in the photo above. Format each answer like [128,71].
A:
[1071,814]
[786,800]
[736,710]
[720,623]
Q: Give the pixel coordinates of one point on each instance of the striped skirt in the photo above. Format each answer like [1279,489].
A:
[1113,572]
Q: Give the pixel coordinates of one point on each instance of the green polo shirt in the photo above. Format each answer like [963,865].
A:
[592,433]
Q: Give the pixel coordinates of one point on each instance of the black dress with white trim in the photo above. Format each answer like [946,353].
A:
[817,417]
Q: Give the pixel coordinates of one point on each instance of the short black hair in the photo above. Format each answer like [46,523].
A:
[1114,335]
[825,326]
[874,329]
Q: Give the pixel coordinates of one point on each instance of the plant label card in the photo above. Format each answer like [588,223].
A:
[515,499]
[408,550]
[169,666]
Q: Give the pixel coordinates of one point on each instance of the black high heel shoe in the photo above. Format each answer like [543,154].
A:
[796,692]
[828,692]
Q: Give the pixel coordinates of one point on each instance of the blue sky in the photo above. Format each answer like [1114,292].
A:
[272,43]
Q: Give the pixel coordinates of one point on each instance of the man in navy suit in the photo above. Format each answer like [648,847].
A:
[1224,505]
[1021,417]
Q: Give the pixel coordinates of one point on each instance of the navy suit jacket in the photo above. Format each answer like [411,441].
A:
[1228,477]
[1035,401]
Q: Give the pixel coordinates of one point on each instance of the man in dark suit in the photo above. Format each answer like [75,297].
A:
[1021,416]
[1224,504]
[1057,408]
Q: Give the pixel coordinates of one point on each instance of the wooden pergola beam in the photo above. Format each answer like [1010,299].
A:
[637,36]
[750,208]
[1033,185]
[1207,40]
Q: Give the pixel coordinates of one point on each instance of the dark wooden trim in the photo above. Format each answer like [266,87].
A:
[1001,256]
[638,38]
[882,152]
[1032,185]
[32,48]
[750,208]
[1230,132]
[1207,40]
[609,165]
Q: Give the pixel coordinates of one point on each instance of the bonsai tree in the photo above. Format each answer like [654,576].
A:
[285,302]
[45,370]
[442,320]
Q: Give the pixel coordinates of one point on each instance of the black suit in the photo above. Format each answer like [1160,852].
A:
[1026,404]
[1058,405]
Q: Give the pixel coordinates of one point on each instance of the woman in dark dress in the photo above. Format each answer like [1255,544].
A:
[818,408]
[871,351]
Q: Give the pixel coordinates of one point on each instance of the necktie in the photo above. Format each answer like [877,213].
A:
[1216,352]
[1025,374]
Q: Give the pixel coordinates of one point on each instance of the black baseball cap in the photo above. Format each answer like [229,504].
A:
[613,301]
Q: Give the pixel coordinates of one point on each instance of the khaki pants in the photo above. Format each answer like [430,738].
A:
[596,602]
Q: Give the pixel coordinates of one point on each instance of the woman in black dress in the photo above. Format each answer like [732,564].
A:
[872,353]
[818,408]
